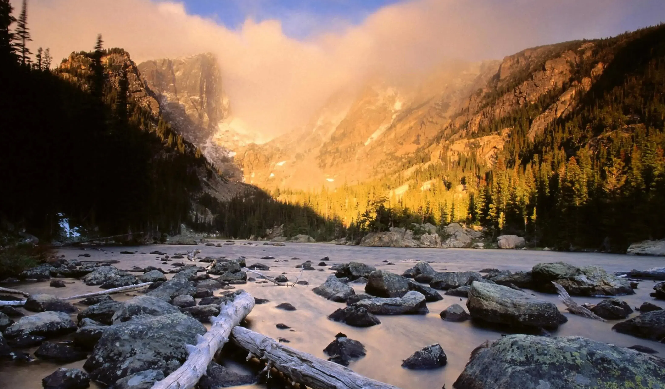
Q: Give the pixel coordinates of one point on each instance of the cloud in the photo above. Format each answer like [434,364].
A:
[275,82]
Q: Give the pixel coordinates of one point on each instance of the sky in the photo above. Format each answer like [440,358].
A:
[281,60]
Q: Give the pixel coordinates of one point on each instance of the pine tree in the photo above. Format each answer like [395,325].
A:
[22,35]
[7,52]
[47,59]
[98,69]
[38,57]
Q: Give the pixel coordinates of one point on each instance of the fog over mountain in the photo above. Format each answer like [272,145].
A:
[276,83]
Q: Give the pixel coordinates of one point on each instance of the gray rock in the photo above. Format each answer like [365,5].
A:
[503,305]
[47,324]
[281,278]
[184,301]
[520,279]
[286,307]
[214,300]
[462,291]
[143,305]
[386,284]
[5,350]
[612,309]
[452,280]
[101,275]
[430,357]
[57,284]
[510,242]
[5,321]
[422,269]
[357,297]
[209,284]
[40,273]
[342,350]
[143,343]
[654,274]
[411,303]
[180,284]
[649,307]
[12,312]
[26,341]
[647,247]
[59,352]
[141,380]
[228,270]
[454,313]
[354,270]
[120,281]
[335,290]
[152,276]
[260,266]
[66,379]
[102,312]
[47,302]
[659,291]
[431,295]
[355,316]
[537,362]
[650,325]
[96,299]
[88,336]
[203,313]
[218,376]
[588,281]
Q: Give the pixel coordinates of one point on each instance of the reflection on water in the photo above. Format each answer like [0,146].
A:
[387,344]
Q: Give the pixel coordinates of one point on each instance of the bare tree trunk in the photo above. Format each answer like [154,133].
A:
[573,307]
[302,367]
[200,355]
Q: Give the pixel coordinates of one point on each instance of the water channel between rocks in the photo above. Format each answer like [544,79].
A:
[388,343]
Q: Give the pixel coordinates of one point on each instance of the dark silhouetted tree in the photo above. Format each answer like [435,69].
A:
[22,35]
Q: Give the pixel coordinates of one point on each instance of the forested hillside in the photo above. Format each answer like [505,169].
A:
[564,145]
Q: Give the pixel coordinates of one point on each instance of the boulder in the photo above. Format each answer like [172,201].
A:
[102,312]
[462,291]
[152,276]
[47,324]
[521,279]
[659,291]
[650,325]
[218,376]
[302,239]
[286,307]
[648,307]
[281,278]
[26,341]
[386,284]
[588,281]
[502,305]
[66,379]
[452,280]
[96,299]
[454,313]
[141,380]
[537,362]
[430,357]
[457,236]
[353,270]
[203,313]
[47,302]
[12,312]
[228,270]
[612,309]
[184,301]
[422,269]
[143,305]
[335,290]
[180,284]
[5,321]
[259,266]
[395,237]
[143,343]
[342,350]
[357,297]
[355,316]
[431,295]
[5,350]
[57,284]
[215,300]
[510,242]
[59,352]
[40,273]
[88,336]
[120,281]
[411,303]
[210,284]
[430,240]
[657,273]
[101,275]
[647,247]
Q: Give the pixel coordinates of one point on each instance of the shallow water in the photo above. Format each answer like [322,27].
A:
[387,344]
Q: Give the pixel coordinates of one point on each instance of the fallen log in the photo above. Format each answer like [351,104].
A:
[302,367]
[14,291]
[572,306]
[12,303]
[108,291]
[272,279]
[200,355]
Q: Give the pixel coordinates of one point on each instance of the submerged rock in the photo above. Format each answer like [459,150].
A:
[66,379]
[649,307]
[454,313]
[26,341]
[650,325]
[503,305]
[286,307]
[47,324]
[355,316]
[659,291]
[141,380]
[430,294]
[429,357]
[143,343]
[411,303]
[342,350]
[536,362]
[657,273]
[59,352]
[334,289]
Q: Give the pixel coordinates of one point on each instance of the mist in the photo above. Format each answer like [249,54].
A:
[276,82]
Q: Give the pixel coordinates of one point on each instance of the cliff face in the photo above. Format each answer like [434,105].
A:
[190,91]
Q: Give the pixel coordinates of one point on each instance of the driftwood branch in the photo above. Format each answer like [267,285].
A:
[108,291]
[272,279]
[302,367]
[14,291]
[573,307]
[200,355]
[12,303]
